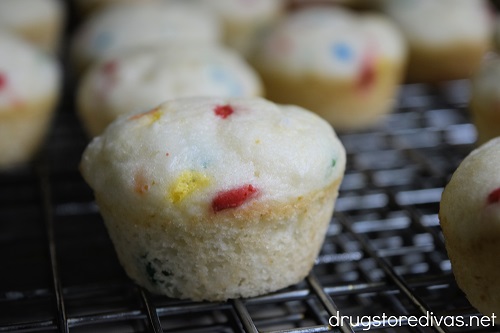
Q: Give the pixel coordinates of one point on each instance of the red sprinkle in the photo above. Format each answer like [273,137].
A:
[368,75]
[223,111]
[3,81]
[494,196]
[233,198]
[110,67]
[282,45]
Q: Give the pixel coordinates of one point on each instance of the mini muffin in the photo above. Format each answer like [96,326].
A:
[470,219]
[485,100]
[353,4]
[38,21]
[447,39]
[134,25]
[29,82]
[344,66]
[242,20]
[140,80]
[245,20]
[216,198]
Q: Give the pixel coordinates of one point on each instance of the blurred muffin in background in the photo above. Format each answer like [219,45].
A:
[134,25]
[244,20]
[29,89]
[38,21]
[447,39]
[485,100]
[344,66]
[142,79]
[352,4]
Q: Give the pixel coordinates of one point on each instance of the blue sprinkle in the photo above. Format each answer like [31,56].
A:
[342,51]
[220,75]
[102,40]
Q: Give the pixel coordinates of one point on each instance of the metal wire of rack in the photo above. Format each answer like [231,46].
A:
[384,252]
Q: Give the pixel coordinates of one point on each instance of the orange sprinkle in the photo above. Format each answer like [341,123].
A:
[140,182]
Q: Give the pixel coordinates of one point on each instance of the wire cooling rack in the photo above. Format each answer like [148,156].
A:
[383,254]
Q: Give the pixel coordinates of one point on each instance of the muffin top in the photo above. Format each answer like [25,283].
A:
[329,41]
[19,13]
[120,27]
[229,9]
[246,10]
[142,79]
[196,156]
[26,74]
[434,22]
[244,20]
[471,200]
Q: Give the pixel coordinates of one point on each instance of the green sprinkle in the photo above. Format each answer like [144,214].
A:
[162,277]
[151,271]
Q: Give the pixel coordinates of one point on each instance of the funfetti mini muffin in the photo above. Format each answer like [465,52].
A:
[344,66]
[38,21]
[485,100]
[244,20]
[447,39]
[353,4]
[142,79]
[216,198]
[29,82]
[135,25]
[470,219]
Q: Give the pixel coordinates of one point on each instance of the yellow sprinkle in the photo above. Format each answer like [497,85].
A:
[187,183]
[155,116]
[152,115]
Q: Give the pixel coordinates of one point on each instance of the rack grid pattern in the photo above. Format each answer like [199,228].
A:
[384,252]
